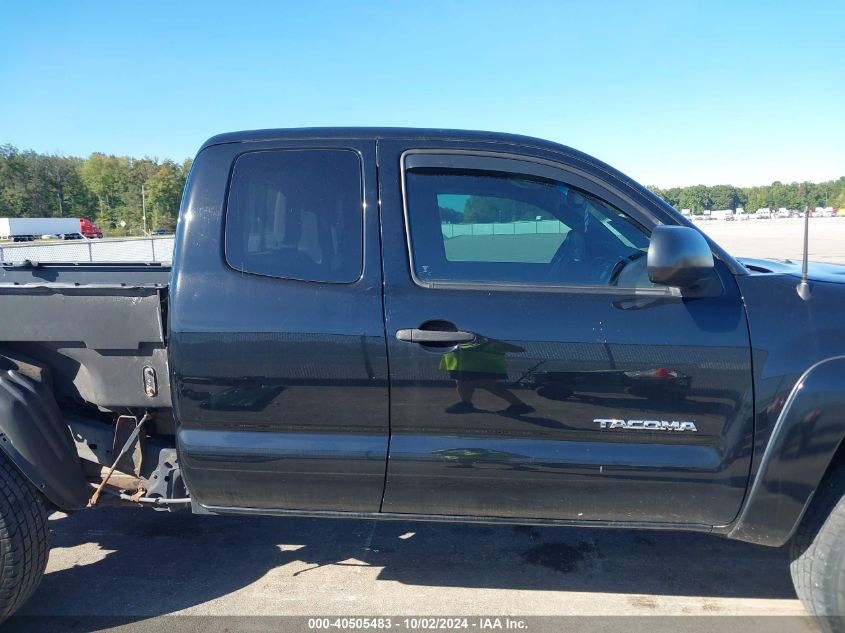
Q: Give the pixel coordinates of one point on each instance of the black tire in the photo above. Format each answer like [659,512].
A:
[818,554]
[24,541]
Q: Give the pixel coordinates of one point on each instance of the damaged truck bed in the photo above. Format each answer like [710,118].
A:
[89,340]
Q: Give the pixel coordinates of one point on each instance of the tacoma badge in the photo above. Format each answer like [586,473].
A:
[646,425]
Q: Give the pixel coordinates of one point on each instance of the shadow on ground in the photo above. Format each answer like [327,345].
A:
[154,563]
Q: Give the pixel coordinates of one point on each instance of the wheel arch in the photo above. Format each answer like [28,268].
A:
[34,436]
[806,442]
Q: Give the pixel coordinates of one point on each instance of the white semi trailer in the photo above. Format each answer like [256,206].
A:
[25,229]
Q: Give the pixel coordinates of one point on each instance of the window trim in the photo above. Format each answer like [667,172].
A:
[362,210]
[518,164]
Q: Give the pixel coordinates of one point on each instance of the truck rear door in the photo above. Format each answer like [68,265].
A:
[276,328]
[535,370]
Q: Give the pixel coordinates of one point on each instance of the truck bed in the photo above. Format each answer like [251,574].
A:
[99,328]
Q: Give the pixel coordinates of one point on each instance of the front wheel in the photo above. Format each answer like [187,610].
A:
[818,554]
[23,539]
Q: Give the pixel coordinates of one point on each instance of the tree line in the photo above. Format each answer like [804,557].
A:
[697,198]
[106,189]
[113,189]
[794,195]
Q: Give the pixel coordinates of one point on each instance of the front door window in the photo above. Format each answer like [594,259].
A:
[493,227]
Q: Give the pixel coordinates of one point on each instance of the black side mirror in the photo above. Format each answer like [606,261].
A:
[678,256]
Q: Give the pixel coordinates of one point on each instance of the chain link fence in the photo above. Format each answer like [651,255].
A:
[134,249]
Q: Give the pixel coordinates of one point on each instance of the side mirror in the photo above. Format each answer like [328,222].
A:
[678,256]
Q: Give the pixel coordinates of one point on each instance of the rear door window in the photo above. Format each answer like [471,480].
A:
[296,214]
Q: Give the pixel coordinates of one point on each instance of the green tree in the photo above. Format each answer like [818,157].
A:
[450,215]
[724,197]
[483,209]
[12,181]
[103,176]
[60,170]
[672,195]
[24,184]
[102,187]
[164,193]
[696,198]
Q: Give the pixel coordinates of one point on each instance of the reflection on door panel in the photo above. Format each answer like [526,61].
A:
[511,423]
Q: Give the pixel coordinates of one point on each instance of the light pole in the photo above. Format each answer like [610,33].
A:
[144,208]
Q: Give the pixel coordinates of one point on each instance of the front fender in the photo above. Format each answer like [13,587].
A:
[805,438]
[34,436]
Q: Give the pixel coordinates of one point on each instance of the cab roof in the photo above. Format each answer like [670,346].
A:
[375,133]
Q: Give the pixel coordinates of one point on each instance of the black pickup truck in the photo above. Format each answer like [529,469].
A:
[429,325]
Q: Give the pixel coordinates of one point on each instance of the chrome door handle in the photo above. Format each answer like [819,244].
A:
[416,335]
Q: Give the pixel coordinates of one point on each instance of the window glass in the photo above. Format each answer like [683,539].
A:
[468,225]
[296,214]
[501,224]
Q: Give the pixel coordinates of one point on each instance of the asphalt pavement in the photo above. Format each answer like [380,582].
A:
[780,238]
[138,568]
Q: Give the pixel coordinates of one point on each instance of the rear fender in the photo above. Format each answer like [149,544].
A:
[34,436]
[804,440]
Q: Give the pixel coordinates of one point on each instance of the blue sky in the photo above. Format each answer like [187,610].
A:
[673,93]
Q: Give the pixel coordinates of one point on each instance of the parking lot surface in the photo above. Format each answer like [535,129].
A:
[780,238]
[139,564]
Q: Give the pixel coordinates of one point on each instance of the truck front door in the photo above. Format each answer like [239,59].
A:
[276,328]
[535,370]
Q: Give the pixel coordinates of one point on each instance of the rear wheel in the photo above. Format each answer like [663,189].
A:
[818,554]
[23,539]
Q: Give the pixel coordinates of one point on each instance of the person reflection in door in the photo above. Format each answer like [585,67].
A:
[481,365]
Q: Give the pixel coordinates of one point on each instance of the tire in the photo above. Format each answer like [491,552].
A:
[818,554]
[24,541]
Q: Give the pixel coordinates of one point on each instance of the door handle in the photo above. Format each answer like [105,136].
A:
[416,335]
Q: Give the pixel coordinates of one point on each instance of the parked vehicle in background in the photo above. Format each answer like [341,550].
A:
[28,229]
[384,344]
[740,215]
[763,214]
[783,213]
[722,214]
